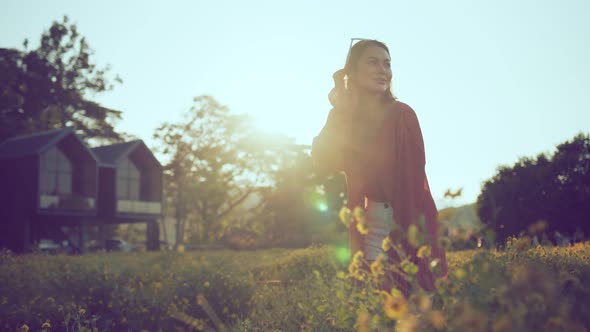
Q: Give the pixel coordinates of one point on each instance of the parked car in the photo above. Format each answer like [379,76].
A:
[51,246]
[48,246]
[117,244]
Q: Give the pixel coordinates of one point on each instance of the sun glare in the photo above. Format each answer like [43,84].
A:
[271,124]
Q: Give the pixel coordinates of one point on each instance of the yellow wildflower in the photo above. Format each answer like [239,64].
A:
[46,325]
[413,235]
[362,228]
[359,214]
[363,322]
[396,292]
[206,284]
[359,255]
[345,215]
[408,324]
[395,307]
[409,267]
[354,268]
[82,311]
[361,221]
[377,266]
[423,252]
[437,319]
[386,244]
[459,273]
[24,328]
[424,303]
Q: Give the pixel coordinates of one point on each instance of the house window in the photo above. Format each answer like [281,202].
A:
[128,177]
[56,173]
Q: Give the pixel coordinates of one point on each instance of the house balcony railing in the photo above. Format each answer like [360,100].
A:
[66,202]
[139,207]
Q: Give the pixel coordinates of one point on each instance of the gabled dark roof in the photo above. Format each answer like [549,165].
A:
[109,155]
[25,145]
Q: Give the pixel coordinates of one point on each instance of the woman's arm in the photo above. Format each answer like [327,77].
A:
[333,147]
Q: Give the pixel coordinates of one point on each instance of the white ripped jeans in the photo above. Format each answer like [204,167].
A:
[379,216]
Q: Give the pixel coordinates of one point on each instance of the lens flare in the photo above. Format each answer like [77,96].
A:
[342,254]
[315,200]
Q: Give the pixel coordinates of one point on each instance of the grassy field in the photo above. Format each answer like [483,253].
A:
[520,289]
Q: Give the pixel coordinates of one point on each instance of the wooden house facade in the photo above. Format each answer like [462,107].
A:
[52,179]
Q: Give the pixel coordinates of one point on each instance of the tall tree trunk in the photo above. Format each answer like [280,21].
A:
[180,216]
[206,223]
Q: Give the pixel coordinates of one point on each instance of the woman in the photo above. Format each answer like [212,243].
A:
[377,142]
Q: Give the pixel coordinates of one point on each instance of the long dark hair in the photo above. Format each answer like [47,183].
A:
[337,94]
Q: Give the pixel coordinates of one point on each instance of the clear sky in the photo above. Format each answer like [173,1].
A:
[491,81]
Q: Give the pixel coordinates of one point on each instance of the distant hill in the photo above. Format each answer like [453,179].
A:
[464,216]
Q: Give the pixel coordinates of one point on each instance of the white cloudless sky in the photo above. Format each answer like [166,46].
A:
[491,81]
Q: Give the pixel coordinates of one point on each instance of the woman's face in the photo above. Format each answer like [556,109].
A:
[373,70]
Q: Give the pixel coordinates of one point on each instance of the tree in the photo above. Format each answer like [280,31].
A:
[571,175]
[224,178]
[216,162]
[285,204]
[303,204]
[48,87]
[555,189]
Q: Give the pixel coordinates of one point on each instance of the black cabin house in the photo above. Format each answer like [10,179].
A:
[51,180]
[47,180]
[130,183]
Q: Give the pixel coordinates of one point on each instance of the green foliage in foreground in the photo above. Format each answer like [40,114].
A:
[520,289]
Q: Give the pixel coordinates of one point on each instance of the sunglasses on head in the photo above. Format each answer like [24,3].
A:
[352,42]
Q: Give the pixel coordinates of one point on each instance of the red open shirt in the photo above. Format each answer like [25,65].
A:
[400,171]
